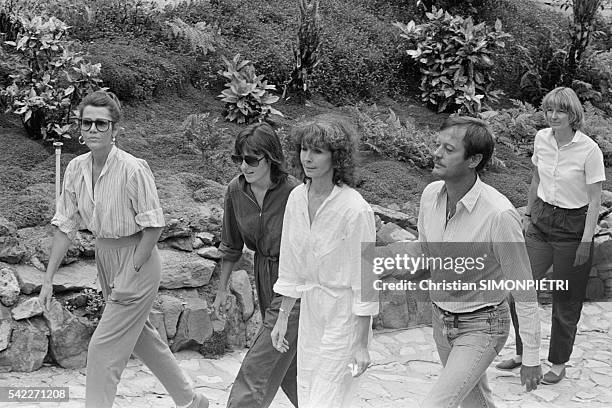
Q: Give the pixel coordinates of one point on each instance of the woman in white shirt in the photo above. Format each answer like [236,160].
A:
[325,222]
[562,210]
[112,193]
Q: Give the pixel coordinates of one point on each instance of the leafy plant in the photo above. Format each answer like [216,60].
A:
[454,57]
[599,128]
[387,136]
[199,38]
[203,136]
[91,302]
[306,54]
[50,77]
[246,98]
[516,127]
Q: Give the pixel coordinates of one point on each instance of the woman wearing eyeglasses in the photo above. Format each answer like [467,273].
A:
[254,207]
[113,194]
[326,221]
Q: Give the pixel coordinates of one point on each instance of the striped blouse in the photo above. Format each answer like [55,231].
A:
[123,202]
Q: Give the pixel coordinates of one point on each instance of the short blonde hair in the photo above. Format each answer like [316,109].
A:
[567,100]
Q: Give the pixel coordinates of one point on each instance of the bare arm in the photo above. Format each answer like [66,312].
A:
[59,247]
[280,328]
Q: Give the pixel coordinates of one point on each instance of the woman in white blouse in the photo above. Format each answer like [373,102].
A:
[562,210]
[325,222]
[113,194]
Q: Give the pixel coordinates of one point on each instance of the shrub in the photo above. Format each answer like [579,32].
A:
[454,56]
[246,98]
[199,38]
[50,77]
[306,54]
[516,127]
[599,128]
[385,135]
[90,302]
[203,136]
[596,69]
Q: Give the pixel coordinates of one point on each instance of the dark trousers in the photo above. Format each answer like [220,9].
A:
[264,368]
[552,239]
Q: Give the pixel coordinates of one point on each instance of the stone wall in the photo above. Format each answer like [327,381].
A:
[182,311]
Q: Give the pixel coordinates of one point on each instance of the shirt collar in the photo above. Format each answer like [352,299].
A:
[470,198]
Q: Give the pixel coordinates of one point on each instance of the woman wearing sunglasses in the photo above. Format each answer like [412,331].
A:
[113,194]
[326,221]
[254,207]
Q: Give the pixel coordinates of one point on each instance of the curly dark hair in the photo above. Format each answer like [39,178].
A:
[332,132]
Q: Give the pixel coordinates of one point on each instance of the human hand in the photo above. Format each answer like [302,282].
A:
[526,222]
[139,260]
[361,360]
[279,342]
[531,377]
[45,296]
[219,302]
[582,253]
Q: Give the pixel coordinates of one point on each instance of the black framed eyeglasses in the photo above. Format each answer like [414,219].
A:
[249,160]
[101,124]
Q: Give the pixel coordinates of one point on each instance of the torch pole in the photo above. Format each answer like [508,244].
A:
[58,182]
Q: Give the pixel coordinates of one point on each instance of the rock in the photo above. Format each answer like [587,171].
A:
[210,252]
[9,286]
[184,270]
[241,287]
[606,198]
[28,347]
[174,229]
[206,237]
[7,228]
[37,242]
[246,261]
[85,243]
[172,308]
[196,243]
[5,333]
[27,309]
[194,326]
[595,288]
[396,217]
[157,320]
[176,196]
[69,336]
[73,277]
[11,250]
[602,252]
[181,243]
[252,327]
[391,232]
[401,309]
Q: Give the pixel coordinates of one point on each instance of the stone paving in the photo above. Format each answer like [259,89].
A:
[405,364]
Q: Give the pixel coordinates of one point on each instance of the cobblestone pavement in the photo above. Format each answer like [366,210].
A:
[405,364]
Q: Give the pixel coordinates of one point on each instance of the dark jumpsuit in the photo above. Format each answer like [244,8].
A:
[244,222]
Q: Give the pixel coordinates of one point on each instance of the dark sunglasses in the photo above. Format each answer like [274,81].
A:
[249,160]
[101,124]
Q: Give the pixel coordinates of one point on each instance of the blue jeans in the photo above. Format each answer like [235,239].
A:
[467,344]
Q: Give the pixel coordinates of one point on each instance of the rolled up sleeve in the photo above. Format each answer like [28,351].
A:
[67,217]
[142,193]
[289,261]
[231,240]
[363,229]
